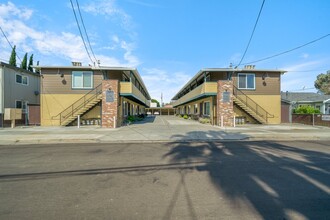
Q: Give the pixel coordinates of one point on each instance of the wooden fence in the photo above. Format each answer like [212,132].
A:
[311,119]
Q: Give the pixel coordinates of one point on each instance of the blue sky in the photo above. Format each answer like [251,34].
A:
[169,41]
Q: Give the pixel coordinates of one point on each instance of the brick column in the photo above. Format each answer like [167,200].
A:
[110,99]
[225,105]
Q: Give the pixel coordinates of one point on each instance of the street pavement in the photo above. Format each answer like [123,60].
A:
[160,128]
[166,180]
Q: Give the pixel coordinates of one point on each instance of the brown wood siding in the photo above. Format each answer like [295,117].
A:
[53,83]
[216,76]
[271,85]
[115,74]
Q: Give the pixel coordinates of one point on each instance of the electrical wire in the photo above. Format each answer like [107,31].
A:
[81,35]
[9,43]
[83,24]
[287,51]
[254,28]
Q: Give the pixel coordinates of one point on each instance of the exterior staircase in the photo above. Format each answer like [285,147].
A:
[81,106]
[251,107]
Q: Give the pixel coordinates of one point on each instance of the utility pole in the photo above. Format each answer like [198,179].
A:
[161,100]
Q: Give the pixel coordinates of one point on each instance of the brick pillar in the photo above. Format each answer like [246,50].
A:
[110,99]
[225,105]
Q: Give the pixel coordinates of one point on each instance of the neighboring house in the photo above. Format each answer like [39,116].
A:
[293,100]
[222,94]
[98,95]
[18,89]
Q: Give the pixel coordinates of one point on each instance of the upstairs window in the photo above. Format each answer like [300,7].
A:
[82,79]
[246,81]
[20,79]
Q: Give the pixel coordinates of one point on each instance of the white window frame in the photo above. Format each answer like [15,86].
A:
[23,77]
[246,81]
[82,75]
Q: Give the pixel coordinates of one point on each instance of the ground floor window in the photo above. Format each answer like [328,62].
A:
[125,108]
[195,108]
[21,105]
[206,108]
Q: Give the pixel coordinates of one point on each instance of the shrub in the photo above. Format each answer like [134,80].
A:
[185,117]
[204,120]
[306,110]
[130,118]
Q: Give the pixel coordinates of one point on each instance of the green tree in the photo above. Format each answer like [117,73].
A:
[12,60]
[30,63]
[155,101]
[322,83]
[24,62]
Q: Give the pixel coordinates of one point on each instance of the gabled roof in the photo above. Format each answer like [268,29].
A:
[303,97]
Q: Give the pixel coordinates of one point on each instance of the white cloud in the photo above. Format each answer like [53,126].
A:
[109,8]
[64,45]
[161,81]
[9,9]
[302,75]
[305,55]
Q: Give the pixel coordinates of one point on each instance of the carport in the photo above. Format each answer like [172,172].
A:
[160,111]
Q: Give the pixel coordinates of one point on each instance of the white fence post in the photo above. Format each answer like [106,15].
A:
[78,124]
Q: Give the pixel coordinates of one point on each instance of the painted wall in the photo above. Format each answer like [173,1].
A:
[272,104]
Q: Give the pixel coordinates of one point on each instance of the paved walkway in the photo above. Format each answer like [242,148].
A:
[161,128]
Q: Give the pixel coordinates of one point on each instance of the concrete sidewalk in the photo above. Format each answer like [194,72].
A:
[159,129]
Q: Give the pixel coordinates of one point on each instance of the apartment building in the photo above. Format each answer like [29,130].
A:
[103,96]
[226,96]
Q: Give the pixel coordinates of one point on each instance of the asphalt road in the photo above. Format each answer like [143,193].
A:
[207,180]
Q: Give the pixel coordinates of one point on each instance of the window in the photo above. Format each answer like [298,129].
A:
[82,79]
[18,104]
[125,108]
[20,79]
[246,81]
[196,108]
[206,108]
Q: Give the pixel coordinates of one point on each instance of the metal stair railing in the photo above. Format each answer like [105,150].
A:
[80,103]
[256,108]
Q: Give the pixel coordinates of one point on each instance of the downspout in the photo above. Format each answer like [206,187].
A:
[2,91]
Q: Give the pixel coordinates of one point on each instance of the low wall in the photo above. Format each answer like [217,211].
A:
[307,119]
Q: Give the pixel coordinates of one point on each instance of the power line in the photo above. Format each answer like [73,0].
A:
[254,28]
[81,35]
[9,43]
[83,24]
[287,51]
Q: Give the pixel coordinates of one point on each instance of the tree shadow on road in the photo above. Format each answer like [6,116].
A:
[279,181]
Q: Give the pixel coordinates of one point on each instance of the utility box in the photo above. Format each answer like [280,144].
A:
[13,114]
